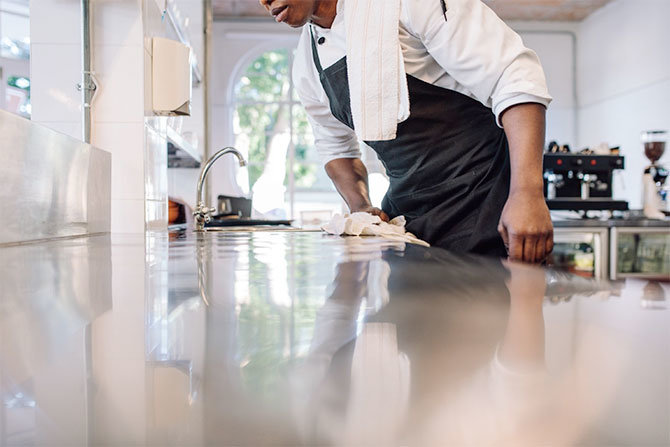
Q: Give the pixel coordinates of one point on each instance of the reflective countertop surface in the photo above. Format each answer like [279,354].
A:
[305,339]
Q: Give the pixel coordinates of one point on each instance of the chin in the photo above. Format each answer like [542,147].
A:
[297,24]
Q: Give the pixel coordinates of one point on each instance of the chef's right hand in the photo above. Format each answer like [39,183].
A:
[372,210]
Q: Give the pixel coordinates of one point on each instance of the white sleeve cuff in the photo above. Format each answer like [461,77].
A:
[325,159]
[522,98]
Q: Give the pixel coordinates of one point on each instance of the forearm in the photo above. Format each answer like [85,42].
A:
[525,223]
[524,126]
[351,180]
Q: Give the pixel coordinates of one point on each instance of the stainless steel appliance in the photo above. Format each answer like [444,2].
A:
[580,182]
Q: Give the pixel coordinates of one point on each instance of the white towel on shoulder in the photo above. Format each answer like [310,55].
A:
[376,68]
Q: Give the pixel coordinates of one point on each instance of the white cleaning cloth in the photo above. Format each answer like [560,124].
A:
[365,224]
[376,68]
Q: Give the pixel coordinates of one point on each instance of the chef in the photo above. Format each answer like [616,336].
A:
[451,101]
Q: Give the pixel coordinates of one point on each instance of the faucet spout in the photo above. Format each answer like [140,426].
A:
[202,213]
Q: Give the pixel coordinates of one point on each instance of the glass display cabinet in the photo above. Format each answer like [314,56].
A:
[582,251]
[640,253]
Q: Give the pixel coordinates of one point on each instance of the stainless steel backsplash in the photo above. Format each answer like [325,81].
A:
[51,185]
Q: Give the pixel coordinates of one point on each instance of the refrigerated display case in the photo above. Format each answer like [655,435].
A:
[640,253]
[582,251]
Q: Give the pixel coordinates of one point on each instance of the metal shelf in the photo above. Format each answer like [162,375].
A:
[184,146]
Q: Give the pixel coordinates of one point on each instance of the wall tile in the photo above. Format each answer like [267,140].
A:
[55,73]
[155,166]
[120,72]
[127,216]
[72,129]
[55,22]
[116,22]
[125,141]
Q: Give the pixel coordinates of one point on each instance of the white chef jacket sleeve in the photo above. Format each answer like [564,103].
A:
[478,50]
[332,138]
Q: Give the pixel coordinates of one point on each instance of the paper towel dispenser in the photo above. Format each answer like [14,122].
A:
[171,77]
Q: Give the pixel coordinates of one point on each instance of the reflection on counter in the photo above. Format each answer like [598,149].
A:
[305,339]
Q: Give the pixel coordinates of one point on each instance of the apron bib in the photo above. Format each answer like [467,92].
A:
[448,167]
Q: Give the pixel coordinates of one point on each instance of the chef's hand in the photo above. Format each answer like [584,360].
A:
[372,210]
[525,226]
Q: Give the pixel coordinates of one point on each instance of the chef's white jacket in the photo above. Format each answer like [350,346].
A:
[469,50]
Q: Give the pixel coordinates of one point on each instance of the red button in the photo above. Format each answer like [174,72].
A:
[559,162]
[593,162]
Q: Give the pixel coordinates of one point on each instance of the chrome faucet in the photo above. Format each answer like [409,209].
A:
[202,213]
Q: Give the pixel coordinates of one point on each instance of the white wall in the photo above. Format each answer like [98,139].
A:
[624,82]
[555,45]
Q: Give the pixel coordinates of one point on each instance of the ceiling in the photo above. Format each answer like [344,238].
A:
[555,10]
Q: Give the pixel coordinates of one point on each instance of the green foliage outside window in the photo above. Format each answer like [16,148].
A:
[264,110]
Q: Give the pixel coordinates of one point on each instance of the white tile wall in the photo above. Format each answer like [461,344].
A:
[117,22]
[126,143]
[55,73]
[55,22]
[127,215]
[155,167]
[72,129]
[120,71]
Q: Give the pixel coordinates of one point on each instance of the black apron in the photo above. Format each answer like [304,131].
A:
[448,166]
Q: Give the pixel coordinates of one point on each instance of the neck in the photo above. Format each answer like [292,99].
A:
[324,13]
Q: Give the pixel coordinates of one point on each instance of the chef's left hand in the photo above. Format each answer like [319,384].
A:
[525,226]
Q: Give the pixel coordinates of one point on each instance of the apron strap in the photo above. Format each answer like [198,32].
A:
[315,53]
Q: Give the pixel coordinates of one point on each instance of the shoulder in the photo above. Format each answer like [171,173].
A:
[420,17]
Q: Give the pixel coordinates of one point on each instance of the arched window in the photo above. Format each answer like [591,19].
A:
[270,127]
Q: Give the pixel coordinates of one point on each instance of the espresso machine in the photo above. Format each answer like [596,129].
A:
[581,182]
[655,200]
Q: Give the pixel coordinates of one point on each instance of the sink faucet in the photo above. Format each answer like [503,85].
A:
[202,213]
